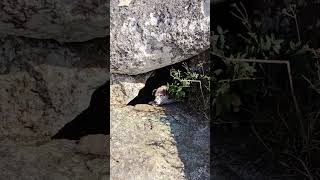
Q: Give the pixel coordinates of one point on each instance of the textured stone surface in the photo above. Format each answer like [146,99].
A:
[148,35]
[62,20]
[125,88]
[44,85]
[53,160]
[94,144]
[166,143]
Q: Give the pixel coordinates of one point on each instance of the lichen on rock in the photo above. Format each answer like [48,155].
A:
[150,35]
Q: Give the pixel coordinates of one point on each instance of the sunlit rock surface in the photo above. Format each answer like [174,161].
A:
[148,35]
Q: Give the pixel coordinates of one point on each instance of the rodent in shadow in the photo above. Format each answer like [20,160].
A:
[160,78]
[162,96]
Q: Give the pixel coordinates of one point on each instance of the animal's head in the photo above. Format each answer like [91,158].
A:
[161,95]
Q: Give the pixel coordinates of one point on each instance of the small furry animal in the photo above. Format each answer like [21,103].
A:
[161,96]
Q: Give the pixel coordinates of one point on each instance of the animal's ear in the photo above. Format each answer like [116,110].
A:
[154,91]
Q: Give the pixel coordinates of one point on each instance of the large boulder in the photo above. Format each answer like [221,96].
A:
[52,160]
[62,20]
[158,143]
[150,34]
[45,85]
[124,88]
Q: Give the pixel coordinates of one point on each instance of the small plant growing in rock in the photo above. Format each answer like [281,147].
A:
[193,82]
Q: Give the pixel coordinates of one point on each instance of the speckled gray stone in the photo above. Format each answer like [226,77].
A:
[45,85]
[62,20]
[150,34]
[161,144]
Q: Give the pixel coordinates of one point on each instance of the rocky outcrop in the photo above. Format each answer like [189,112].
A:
[44,85]
[97,144]
[158,143]
[54,160]
[148,35]
[52,62]
[64,21]
[125,88]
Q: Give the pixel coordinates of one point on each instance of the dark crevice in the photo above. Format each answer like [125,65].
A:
[93,120]
[160,77]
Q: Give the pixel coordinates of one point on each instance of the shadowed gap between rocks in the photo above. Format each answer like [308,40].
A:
[93,120]
[160,77]
[192,138]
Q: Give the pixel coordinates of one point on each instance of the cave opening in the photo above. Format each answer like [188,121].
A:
[158,78]
[93,120]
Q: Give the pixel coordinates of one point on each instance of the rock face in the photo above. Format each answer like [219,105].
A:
[52,59]
[148,35]
[62,20]
[44,85]
[52,160]
[163,143]
[125,88]
[95,144]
